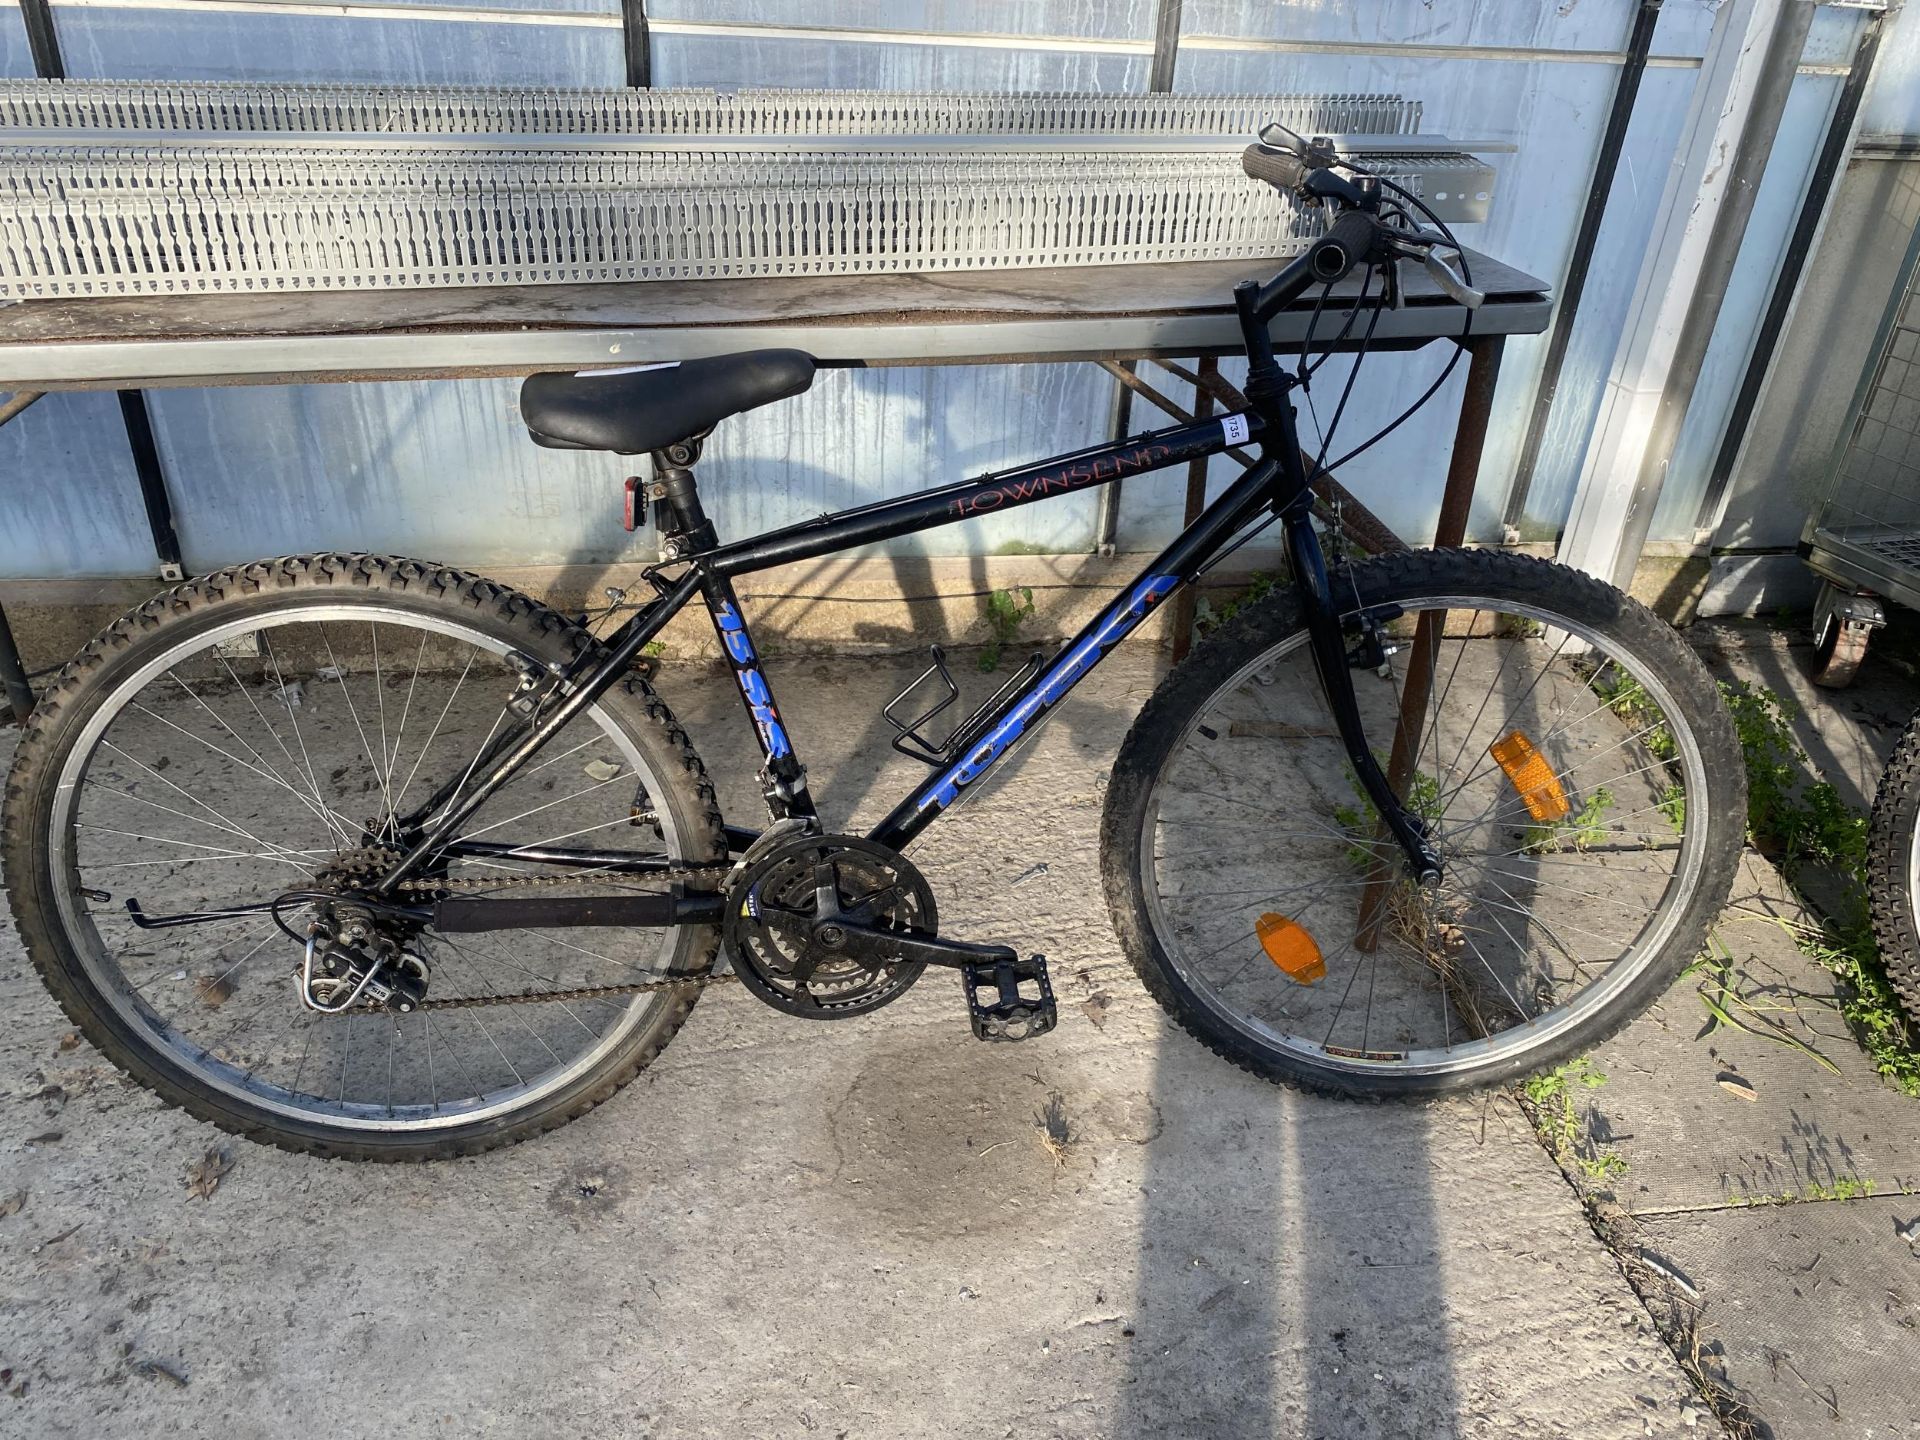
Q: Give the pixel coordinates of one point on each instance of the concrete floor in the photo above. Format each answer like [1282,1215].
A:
[843,1230]
[1808,1305]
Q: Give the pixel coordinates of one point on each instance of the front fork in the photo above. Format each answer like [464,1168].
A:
[1331,661]
[1324,631]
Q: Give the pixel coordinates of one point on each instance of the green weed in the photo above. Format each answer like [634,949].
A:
[1673,804]
[1519,627]
[1805,825]
[1578,830]
[1210,612]
[1005,615]
[1362,821]
[1841,1187]
[1867,1000]
[1551,1104]
[1751,1014]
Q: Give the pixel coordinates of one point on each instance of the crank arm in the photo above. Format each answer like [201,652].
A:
[902,945]
[466,915]
[883,946]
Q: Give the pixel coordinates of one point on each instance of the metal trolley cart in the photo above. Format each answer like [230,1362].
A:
[1864,539]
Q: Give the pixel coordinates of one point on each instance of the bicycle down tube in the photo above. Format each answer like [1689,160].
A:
[709,573]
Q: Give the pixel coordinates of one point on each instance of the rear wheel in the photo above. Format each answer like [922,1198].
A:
[260,731]
[1570,758]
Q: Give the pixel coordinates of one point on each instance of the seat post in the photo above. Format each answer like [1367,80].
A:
[688,530]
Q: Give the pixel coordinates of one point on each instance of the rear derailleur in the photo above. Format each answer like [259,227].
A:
[350,960]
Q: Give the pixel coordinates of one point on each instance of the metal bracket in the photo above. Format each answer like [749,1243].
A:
[1854,608]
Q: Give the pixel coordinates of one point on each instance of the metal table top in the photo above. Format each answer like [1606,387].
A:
[1081,313]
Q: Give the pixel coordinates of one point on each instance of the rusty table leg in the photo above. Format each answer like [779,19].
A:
[13,674]
[1183,603]
[1456,502]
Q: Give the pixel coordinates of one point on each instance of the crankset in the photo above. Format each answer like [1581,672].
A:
[829,926]
[832,926]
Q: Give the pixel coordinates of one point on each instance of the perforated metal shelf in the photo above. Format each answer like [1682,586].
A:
[458,110]
[289,188]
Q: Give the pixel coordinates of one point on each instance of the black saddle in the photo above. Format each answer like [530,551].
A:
[637,411]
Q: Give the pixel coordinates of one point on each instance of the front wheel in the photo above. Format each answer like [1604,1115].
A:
[1570,758]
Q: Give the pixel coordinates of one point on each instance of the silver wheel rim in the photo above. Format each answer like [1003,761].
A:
[110,981]
[1512,1044]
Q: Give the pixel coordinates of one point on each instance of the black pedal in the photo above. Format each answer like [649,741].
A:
[1010,999]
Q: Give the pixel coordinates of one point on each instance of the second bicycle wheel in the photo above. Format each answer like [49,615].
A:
[289,727]
[1570,757]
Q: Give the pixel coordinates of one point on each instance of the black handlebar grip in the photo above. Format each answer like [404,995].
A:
[1278,168]
[1346,245]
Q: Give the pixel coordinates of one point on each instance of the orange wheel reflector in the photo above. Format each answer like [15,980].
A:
[1291,948]
[1532,776]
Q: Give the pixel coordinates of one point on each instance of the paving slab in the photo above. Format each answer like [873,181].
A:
[835,1230]
[1688,1140]
[1847,734]
[1816,1310]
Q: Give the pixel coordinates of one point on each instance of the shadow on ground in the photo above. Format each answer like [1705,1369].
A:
[872,1229]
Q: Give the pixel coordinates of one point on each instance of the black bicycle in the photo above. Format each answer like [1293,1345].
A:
[375,858]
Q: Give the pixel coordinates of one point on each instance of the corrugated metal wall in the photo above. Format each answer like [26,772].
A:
[1785,471]
[443,469]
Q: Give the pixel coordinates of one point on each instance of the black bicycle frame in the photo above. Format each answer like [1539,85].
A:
[1278,482]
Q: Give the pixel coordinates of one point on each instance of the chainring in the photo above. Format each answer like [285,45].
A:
[775,896]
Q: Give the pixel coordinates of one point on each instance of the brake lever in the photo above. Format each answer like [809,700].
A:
[1442,274]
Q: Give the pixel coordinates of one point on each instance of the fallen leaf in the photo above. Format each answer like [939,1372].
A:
[160,1370]
[1670,1273]
[1096,1006]
[601,770]
[12,1204]
[69,1040]
[1734,1085]
[206,1173]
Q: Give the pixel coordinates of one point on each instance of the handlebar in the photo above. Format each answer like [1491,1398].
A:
[1279,168]
[1358,236]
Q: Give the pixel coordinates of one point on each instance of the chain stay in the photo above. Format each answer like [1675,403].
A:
[370,858]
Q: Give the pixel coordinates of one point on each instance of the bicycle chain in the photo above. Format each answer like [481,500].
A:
[370,859]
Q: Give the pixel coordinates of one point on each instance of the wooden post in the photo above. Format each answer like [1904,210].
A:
[1456,503]
[1183,603]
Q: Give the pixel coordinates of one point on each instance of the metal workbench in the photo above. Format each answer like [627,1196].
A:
[1098,313]
[1077,313]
